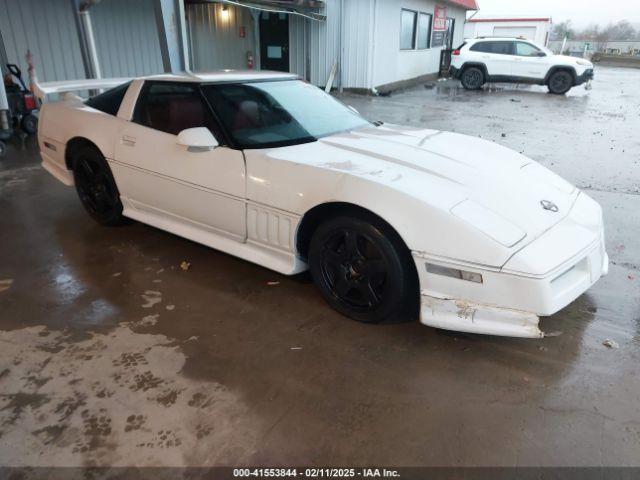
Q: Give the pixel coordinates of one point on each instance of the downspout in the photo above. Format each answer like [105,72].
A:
[89,39]
[307,49]
[182,25]
[341,46]
[255,14]
[372,46]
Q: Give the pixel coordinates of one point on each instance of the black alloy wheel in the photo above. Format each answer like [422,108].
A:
[96,187]
[560,82]
[361,271]
[472,78]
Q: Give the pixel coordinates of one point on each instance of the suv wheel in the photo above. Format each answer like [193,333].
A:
[472,78]
[560,82]
[363,270]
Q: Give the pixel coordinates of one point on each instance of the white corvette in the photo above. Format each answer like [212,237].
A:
[393,222]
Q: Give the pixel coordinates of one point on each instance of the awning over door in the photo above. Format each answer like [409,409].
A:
[306,8]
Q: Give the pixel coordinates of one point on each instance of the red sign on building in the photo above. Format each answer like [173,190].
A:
[440,18]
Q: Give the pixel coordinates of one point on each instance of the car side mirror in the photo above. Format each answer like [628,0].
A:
[198,139]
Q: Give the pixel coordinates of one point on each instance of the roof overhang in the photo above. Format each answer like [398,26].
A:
[528,19]
[305,8]
[466,4]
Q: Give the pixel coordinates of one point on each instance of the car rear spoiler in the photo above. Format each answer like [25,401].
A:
[41,90]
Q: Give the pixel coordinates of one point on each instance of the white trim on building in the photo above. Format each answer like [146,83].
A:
[534,28]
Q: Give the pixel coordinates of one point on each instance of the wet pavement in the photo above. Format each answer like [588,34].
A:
[111,354]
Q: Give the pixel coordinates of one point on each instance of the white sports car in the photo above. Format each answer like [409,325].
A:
[393,222]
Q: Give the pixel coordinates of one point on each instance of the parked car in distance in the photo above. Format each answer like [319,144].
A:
[516,60]
[393,222]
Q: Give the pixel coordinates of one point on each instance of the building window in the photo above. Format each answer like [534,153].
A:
[424,31]
[408,30]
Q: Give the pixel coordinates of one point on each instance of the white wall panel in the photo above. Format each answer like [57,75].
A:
[324,43]
[297,44]
[126,36]
[392,64]
[125,33]
[48,30]
[357,43]
[215,37]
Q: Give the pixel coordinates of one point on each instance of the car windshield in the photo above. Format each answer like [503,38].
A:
[278,113]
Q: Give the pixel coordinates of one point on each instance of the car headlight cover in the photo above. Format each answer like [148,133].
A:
[584,63]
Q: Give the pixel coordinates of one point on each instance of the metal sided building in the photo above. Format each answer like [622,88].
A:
[371,44]
[353,44]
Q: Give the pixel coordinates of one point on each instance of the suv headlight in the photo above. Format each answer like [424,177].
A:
[584,63]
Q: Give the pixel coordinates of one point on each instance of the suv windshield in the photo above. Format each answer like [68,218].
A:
[278,113]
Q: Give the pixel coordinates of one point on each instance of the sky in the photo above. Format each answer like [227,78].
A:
[581,12]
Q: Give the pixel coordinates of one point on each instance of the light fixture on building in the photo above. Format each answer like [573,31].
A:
[224,12]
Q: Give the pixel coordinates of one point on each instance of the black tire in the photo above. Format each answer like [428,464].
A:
[96,187]
[560,82]
[29,124]
[363,270]
[472,78]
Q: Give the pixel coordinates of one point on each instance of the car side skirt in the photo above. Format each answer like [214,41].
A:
[256,248]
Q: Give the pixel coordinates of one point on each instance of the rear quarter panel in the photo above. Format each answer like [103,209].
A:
[63,121]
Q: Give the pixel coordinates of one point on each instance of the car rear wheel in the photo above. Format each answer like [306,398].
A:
[472,78]
[560,82]
[29,123]
[363,271]
[96,187]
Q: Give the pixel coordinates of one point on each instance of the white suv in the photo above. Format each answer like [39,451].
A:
[516,60]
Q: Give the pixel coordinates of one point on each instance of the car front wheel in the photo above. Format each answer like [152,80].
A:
[96,187]
[560,82]
[363,270]
[472,78]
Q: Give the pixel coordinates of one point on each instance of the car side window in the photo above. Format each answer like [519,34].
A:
[524,49]
[109,101]
[173,107]
[497,47]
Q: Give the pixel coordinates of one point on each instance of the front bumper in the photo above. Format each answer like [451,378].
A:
[539,280]
[585,77]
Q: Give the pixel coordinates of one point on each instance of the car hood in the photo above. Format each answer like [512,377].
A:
[499,191]
[569,59]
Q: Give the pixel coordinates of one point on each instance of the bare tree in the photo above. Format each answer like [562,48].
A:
[622,30]
[562,30]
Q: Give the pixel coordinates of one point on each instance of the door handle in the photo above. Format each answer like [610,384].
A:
[128,140]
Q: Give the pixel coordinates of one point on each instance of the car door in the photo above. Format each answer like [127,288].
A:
[496,55]
[530,61]
[172,185]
